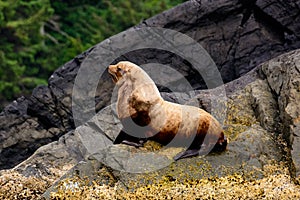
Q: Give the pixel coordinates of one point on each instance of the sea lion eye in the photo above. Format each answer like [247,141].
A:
[121,70]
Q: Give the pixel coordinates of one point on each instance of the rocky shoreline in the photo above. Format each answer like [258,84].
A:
[253,44]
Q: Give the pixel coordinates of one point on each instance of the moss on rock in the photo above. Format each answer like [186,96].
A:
[275,184]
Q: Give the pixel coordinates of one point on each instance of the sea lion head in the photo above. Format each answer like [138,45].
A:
[122,70]
[136,90]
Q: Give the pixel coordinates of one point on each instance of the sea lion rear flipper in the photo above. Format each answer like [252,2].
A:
[186,154]
[220,145]
[124,138]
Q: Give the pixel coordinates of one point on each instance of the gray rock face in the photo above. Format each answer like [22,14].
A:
[21,134]
[283,76]
[237,34]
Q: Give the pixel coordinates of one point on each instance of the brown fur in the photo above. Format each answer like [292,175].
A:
[140,100]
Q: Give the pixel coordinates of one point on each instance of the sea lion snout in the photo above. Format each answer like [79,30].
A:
[119,70]
[112,70]
[116,72]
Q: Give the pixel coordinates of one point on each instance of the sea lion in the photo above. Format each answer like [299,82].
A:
[146,116]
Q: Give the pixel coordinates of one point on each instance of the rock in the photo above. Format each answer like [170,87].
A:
[60,85]
[237,34]
[61,155]
[283,76]
[252,33]
[265,106]
[261,106]
[29,123]
[21,134]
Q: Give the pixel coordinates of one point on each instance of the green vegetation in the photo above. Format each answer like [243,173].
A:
[38,36]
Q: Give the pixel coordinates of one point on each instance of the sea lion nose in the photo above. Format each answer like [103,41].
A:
[111,68]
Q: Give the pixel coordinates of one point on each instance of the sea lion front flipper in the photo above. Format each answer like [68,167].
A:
[124,138]
[186,154]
